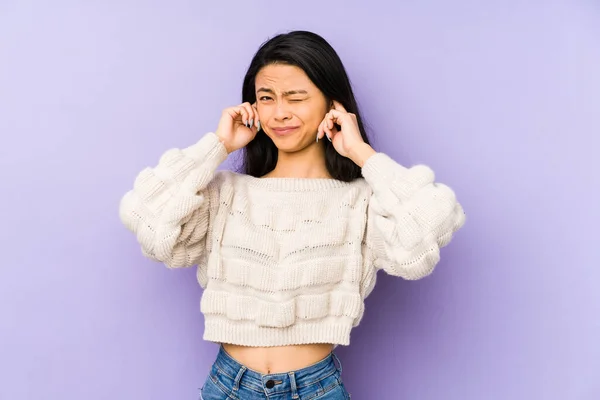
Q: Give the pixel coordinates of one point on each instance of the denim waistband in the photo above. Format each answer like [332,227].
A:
[271,384]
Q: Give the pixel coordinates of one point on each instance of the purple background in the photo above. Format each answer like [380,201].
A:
[501,99]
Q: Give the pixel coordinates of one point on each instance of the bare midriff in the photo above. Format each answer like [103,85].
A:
[276,360]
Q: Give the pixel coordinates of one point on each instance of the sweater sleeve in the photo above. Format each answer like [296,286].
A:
[410,217]
[168,208]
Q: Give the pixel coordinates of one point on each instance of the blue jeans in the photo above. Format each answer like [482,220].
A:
[229,379]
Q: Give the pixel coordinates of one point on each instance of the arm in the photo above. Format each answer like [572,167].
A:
[168,208]
[410,216]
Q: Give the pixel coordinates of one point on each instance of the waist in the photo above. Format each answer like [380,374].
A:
[282,381]
[278,359]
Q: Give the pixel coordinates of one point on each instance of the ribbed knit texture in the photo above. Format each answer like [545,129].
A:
[283,260]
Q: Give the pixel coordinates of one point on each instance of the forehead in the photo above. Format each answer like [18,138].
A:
[284,77]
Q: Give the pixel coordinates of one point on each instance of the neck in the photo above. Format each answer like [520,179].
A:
[307,163]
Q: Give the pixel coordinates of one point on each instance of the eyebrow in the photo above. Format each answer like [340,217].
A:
[288,93]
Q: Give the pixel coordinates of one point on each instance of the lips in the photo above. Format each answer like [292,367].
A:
[284,130]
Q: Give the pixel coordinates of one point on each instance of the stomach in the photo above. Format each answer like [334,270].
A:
[279,359]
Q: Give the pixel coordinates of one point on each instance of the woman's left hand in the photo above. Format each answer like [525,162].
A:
[347,141]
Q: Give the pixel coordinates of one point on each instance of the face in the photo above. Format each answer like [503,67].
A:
[290,106]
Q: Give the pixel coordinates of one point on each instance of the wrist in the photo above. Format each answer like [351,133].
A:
[225,144]
[361,153]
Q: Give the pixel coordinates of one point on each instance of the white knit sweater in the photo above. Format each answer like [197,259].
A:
[283,260]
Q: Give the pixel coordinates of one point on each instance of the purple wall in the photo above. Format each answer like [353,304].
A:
[501,99]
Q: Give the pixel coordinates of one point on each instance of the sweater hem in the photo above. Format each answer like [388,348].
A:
[249,334]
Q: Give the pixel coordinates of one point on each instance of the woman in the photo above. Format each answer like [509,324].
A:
[288,250]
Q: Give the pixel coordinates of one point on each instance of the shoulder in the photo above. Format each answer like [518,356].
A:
[224,175]
[360,185]
[231,179]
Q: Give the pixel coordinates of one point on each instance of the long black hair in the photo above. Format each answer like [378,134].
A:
[311,53]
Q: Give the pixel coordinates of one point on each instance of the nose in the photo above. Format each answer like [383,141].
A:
[281,112]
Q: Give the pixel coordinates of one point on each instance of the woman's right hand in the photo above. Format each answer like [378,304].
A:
[238,126]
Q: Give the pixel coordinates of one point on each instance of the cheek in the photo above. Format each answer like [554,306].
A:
[264,112]
[310,115]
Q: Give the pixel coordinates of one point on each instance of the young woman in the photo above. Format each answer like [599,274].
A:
[288,250]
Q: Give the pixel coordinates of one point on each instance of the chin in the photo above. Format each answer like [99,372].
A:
[292,143]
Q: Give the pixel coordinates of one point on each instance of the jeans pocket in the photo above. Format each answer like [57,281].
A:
[212,390]
[337,393]
[328,388]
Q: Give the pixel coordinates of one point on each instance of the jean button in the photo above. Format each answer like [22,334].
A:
[270,384]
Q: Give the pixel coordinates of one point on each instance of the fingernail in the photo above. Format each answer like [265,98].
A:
[251,123]
[317,137]
[328,137]
[258,125]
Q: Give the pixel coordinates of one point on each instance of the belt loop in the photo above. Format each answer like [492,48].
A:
[238,378]
[293,385]
[336,359]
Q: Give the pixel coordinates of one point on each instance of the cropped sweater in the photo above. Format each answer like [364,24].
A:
[286,261]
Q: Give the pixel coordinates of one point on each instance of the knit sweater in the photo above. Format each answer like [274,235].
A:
[287,261]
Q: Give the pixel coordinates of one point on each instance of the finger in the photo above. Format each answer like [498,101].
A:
[338,106]
[243,114]
[333,130]
[325,121]
[326,129]
[256,116]
[235,113]
[338,117]
[320,131]
[250,114]
[332,134]
[330,121]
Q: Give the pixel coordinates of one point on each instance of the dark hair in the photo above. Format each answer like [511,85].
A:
[322,65]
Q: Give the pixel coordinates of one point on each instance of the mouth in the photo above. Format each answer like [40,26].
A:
[284,130]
